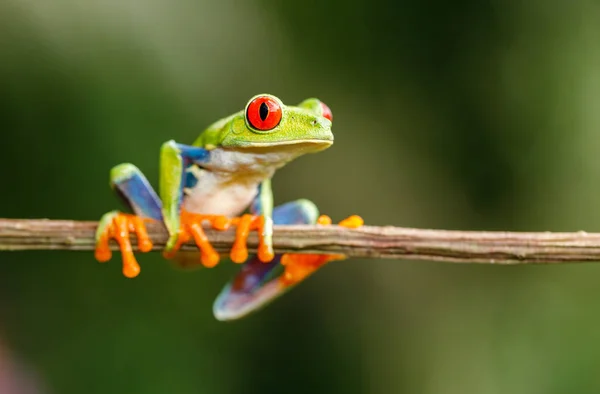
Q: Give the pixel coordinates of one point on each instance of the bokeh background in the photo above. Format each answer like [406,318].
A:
[467,114]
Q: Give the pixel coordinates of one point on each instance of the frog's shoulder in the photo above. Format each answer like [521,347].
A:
[212,136]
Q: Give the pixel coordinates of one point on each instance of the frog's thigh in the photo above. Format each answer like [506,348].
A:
[257,283]
[296,212]
[133,187]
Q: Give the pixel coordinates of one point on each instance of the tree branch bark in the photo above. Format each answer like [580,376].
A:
[367,241]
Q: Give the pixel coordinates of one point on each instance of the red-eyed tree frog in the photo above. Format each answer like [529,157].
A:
[224,179]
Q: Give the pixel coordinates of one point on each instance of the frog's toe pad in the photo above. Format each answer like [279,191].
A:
[118,226]
[353,221]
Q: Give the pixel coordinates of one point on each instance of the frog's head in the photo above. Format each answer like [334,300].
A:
[266,123]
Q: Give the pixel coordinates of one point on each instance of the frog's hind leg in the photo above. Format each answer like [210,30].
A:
[135,190]
[259,283]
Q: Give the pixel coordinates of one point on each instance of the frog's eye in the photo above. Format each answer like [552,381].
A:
[263,113]
[326,111]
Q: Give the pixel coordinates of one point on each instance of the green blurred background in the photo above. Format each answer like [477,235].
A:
[468,114]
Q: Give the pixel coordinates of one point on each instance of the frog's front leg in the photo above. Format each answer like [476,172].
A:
[259,219]
[259,283]
[183,226]
[134,188]
[131,185]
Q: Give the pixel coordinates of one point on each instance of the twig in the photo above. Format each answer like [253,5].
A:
[367,241]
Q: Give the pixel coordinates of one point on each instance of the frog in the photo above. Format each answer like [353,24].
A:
[224,179]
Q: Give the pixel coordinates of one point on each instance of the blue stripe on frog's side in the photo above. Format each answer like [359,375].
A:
[190,180]
[193,154]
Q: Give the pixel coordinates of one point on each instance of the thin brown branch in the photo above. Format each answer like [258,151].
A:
[367,241]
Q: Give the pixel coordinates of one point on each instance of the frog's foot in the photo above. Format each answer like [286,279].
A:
[191,228]
[118,226]
[299,266]
[245,224]
[353,221]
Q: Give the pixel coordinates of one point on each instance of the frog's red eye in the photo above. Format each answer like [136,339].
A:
[264,113]
[326,111]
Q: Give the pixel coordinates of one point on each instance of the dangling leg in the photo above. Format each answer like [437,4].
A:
[131,185]
[256,284]
[259,283]
[299,266]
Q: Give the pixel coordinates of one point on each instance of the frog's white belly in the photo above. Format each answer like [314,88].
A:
[230,183]
[215,195]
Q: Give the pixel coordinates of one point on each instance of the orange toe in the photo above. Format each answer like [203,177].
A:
[208,256]
[353,221]
[143,240]
[265,249]
[131,268]
[239,251]
[119,229]
[103,252]
[324,220]
[245,224]
[191,228]
[265,253]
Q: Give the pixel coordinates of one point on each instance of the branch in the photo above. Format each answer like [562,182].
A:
[367,241]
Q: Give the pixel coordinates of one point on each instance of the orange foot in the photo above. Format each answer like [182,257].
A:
[191,228]
[300,266]
[118,226]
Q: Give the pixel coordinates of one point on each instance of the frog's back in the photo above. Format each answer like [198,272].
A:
[211,136]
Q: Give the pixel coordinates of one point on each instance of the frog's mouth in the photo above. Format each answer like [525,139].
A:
[301,146]
[273,154]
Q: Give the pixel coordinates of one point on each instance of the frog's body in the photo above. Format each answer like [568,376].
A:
[224,173]
[232,182]
[227,193]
